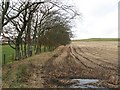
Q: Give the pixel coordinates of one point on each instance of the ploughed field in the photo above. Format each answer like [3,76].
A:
[83,60]
[78,60]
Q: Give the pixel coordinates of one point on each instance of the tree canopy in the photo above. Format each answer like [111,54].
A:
[28,24]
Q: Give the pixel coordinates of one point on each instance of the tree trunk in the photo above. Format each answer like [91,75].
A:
[40,48]
[44,48]
[37,50]
[29,50]
[25,53]
[22,52]
[29,39]
[17,50]
[49,48]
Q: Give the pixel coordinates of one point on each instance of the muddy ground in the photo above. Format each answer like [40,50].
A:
[90,60]
[95,60]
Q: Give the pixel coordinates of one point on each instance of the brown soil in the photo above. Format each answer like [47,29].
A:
[96,60]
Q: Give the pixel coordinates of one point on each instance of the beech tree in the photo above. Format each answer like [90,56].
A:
[28,24]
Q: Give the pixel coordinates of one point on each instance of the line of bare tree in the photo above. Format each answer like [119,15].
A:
[32,25]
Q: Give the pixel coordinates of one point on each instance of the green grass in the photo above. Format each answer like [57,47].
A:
[99,39]
[8,52]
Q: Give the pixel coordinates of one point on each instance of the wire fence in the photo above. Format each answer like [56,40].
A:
[11,57]
[7,59]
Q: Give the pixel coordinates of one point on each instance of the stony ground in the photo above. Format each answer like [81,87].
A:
[95,60]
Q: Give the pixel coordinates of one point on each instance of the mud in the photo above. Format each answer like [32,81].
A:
[97,60]
[78,60]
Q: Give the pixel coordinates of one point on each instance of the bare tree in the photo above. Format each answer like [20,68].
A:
[34,23]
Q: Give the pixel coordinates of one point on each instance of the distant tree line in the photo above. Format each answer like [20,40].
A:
[31,25]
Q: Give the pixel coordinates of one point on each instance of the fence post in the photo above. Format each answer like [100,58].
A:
[12,57]
[4,58]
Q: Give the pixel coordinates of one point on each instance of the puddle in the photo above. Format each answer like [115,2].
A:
[82,83]
[85,83]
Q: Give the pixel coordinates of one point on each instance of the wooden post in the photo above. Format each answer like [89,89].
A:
[4,58]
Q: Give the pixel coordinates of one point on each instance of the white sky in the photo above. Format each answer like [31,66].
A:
[99,19]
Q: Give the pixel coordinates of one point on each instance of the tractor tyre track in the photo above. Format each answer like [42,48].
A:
[101,65]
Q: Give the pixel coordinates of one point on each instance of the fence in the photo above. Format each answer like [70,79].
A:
[8,59]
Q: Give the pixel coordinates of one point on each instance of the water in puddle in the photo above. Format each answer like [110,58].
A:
[85,81]
[82,83]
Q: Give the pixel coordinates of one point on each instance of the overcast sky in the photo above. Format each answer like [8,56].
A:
[99,19]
